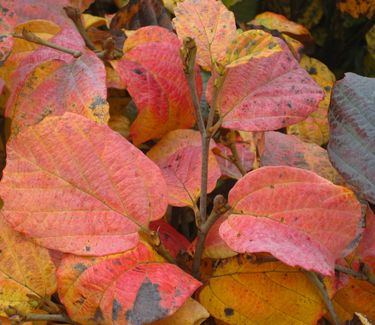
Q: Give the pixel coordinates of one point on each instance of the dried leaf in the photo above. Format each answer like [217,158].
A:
[7,22]
[357,8]
[79,187]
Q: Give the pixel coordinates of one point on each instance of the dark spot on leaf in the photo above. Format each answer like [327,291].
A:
[80,267]
[327,88]
[312,70]
[289,104]
[87,248]
[271,45]
[137,71]
[228,311]
[146,308]
[98,317]
[116,308]
[97,102]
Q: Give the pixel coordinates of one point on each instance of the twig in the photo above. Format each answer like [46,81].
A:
[31,37]
[236,158]
[152,237]
[49,318]
[364,276]
[220,207]
[75,16]
[323,291]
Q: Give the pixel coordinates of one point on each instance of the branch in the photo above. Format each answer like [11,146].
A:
[364,276]
[75,16]
[31,37]
[220,207]
[49,318]
[323,291]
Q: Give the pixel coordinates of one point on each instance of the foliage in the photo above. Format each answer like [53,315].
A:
[159,177]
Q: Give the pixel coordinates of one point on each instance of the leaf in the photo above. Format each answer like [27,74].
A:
[288,150]
[264,89]
[352,126]
[370,39]
[191,313]
[135,287]
[79,187]
[366,248]
[155,79]
[241,292]
[55,87]
[357,8]
[210,24]
[313,14]
[315,127]
[7,22]
[25,269]
[280,210]
[273,21]
[178,154]
[214,246]
[171,239]
[224,158]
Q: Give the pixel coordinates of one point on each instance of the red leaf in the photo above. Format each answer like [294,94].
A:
[133,288]
[154,77]
[79,187]
[170,237]
[288,150]
[266,92]
[178,154]
[55,87]
[297,216]
[366,248]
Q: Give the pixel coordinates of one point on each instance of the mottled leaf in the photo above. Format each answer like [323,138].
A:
[315,127]
[241,292]
[153,74]
[25,269]
[7,22]
[191,313]
[178,154]
[274,21]
[79,187]
[134,288]
[357,8]
[366,248]
[297,216]
[171,239]
[287,150]
[210,24]
[352,125]
[55,87]
[264,89]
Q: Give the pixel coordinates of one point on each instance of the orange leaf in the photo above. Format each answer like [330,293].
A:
[280,23]
[288,150]
[25,269]
[153,74]
[178,154]
[241,292]
[135,287]
[55,87]
[357,8]
[210,24]
[280,210]
[79,187]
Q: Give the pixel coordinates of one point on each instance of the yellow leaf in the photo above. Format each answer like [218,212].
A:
[93,21]
[370,39]
[191,313]
[315,128]
[241,292]
[25,269]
